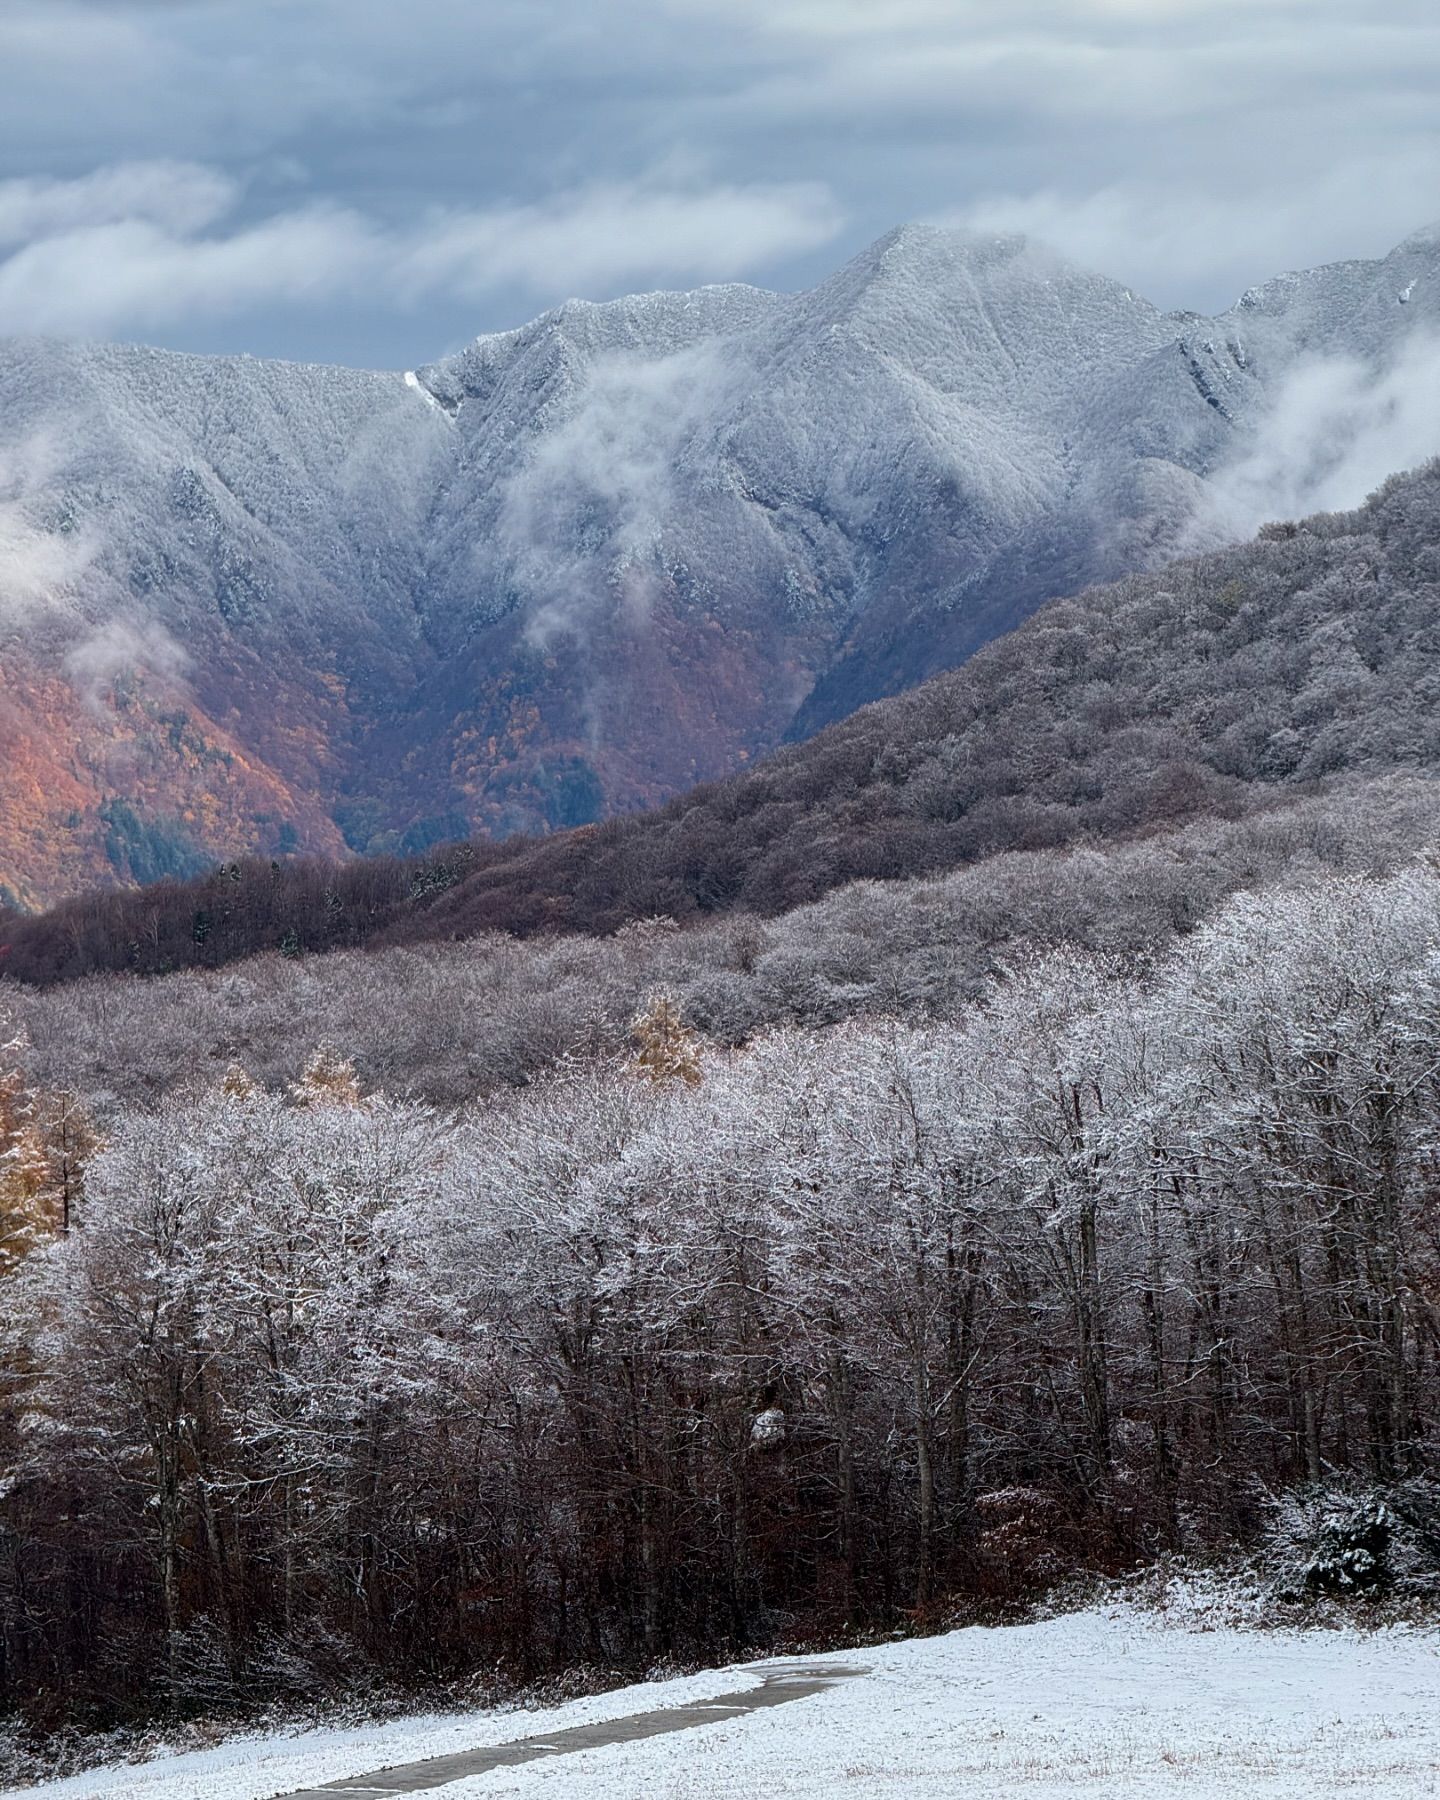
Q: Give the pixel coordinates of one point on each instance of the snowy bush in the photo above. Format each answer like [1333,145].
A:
[768,1430]
[1356,1542]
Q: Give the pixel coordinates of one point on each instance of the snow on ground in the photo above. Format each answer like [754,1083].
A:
[1103,1703]
[258,1768]
[1109,1703]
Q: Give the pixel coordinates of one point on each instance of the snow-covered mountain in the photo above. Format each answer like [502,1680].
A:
[584,564]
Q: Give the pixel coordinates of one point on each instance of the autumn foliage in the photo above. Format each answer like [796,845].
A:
[46,1141]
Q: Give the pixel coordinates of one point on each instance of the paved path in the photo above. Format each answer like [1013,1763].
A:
[778,1687]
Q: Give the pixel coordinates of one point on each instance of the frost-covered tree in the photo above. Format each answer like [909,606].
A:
[1078,1270]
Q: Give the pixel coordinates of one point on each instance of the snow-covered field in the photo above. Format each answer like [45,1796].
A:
[1110,1702]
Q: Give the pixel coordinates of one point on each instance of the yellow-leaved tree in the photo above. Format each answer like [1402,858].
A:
[328,1079]
[46,1141]
[238,1083]
[666,1049]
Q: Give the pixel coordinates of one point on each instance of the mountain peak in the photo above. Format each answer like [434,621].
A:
[921,246]
[926,236]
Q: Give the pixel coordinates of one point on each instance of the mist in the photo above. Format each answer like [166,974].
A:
[1334,432]
[582,523]
[41,561]
[119,647]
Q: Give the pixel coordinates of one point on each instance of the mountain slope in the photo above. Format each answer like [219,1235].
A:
[1308,655]
[1208,688]
[249,607]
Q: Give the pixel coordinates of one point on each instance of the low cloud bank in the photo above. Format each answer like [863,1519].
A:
[142,246]
[582,522]
[119,647]
[1336,429]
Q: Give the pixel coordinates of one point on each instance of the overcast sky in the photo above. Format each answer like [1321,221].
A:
[375,181]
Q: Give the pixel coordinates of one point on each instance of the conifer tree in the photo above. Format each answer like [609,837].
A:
[29,1205]
[238,1083]
[666,1049]
[328,1079]
[70,1141]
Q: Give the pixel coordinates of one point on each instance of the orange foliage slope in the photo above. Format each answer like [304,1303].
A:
[130,777]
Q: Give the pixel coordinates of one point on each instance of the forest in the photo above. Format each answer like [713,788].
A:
[683,1346]
[986,1149]
[447,1022]
[1206,690]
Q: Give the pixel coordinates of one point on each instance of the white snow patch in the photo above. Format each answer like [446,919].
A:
[1112,1702]
[412,380]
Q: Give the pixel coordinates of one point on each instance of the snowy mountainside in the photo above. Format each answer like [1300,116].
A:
[1302,659]
[583,564]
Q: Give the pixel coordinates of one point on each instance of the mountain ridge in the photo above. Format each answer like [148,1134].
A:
[579,566]
[1213,688]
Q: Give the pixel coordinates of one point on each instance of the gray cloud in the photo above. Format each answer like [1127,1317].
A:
[476,158]
[181,197]
[613,232]
[1174,238]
